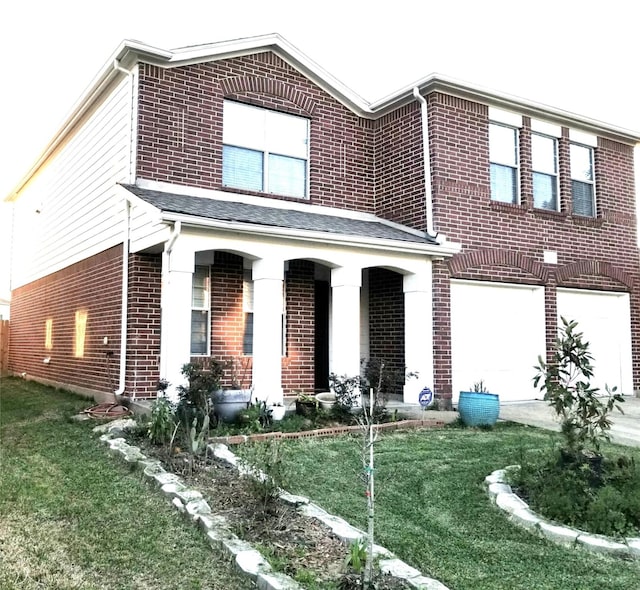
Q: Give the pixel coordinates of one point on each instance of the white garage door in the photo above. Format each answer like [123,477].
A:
[497,333]
[604,318]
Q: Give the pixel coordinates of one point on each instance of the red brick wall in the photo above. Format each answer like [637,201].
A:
[386,320]
[298,364]
[180,126]
[93,285]
[227,320]
[143,318]
[503,242]
[227,316]
[400,189]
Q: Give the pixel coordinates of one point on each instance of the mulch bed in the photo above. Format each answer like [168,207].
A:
[298,544]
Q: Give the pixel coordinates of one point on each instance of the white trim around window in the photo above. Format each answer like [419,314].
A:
[201,311]
[504,161]
[265,151]
[544,170]
[583,190]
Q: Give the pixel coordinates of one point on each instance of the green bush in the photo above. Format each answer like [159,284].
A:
[565,381]
[598,495]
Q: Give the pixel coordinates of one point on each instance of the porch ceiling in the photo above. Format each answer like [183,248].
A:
[230,211]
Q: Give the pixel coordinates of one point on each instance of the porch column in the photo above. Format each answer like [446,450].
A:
[267,275]
[418,332]
[175,334]
[345,321]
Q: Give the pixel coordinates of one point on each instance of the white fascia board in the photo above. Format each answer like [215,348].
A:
[509,102]
[261,44]
[441,251]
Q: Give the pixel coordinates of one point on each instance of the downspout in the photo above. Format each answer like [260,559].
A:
[125,300]
[125,280]
[428,196]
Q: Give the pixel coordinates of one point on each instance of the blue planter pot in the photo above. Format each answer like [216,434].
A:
[478,409]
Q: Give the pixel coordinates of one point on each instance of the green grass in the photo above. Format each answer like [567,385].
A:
[432,511]
[71,516]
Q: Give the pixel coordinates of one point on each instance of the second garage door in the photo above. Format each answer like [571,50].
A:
[604,318]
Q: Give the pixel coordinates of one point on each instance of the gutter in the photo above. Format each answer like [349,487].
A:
[441,249]
[428,194]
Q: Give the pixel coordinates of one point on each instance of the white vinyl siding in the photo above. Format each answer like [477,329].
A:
[80,208]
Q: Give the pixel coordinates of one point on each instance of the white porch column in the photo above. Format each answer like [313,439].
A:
[418,332]
[175,343]
[267,275]
[345,321]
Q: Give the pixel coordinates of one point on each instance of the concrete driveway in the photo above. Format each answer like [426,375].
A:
[625,429]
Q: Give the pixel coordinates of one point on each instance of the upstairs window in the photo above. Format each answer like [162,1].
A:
[503,156]
[264,151]
[582,180]
[544,162]
[200,311]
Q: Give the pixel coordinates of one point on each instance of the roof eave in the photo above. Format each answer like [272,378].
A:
[436,250]
[451,86]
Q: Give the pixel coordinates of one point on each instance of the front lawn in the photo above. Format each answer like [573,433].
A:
[71,516]
[432,511]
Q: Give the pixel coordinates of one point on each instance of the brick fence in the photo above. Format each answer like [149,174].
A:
[324,432]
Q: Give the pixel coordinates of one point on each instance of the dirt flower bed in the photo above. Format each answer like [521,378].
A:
[299,546]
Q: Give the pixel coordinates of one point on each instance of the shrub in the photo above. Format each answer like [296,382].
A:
[597,496]
[565,382]
[162,422]
[268,474]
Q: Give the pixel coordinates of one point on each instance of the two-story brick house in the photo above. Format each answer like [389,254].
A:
[234,200]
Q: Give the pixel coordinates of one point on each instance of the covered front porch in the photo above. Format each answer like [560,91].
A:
[289,313]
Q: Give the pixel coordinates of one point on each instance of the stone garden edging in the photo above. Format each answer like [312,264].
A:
[247,559]
[518,511]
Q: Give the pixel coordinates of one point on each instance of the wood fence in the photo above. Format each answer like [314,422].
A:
[4,347]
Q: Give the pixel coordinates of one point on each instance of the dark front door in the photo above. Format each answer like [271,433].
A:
[322,335]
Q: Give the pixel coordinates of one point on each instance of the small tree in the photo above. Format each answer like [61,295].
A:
[565,382]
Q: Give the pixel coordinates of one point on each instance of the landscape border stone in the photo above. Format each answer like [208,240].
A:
[502,495]
[248,560]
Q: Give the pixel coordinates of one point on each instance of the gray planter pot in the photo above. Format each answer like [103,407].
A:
[228,403]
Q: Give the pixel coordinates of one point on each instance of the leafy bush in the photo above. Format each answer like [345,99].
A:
[565,382]
[265,457]
[202,379]
[162,422]
[598,495]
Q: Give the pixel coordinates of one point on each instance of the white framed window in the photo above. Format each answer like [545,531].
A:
[544,164]
[247,308]
[200,310]
[582,180]
[504,163]
[265,151]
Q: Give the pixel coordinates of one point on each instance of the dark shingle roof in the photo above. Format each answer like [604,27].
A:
[275,217]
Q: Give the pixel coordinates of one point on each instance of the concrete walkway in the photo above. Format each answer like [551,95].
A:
[625,429]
